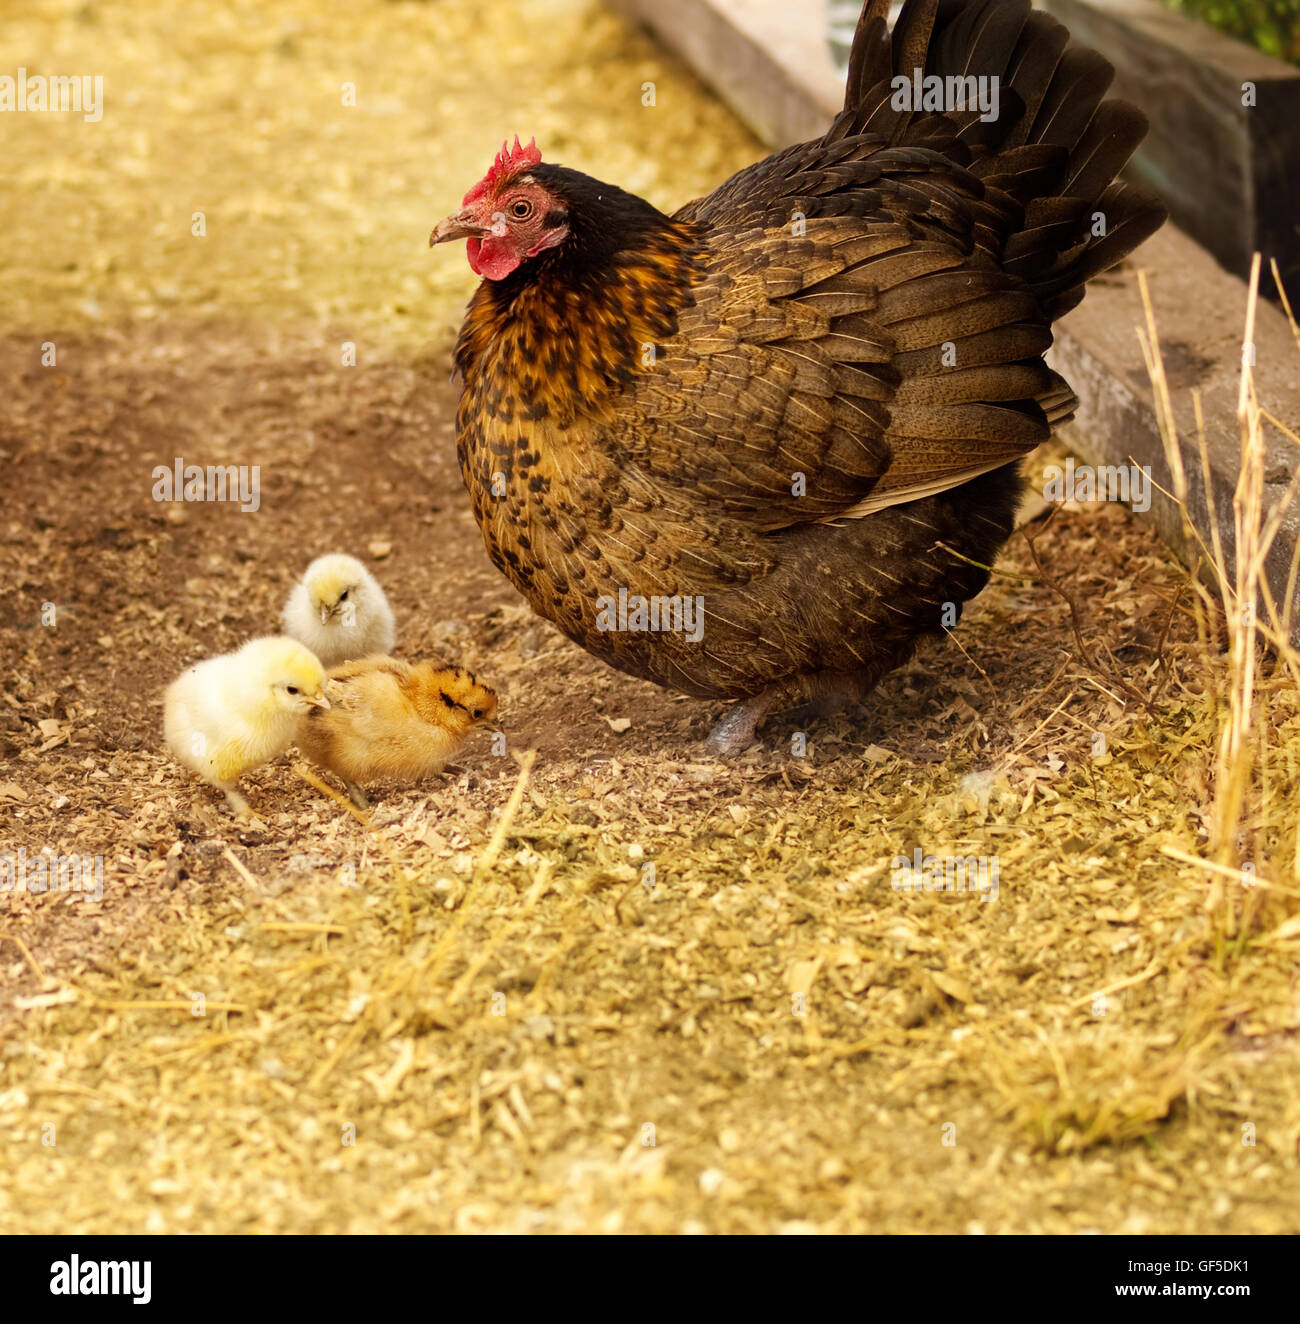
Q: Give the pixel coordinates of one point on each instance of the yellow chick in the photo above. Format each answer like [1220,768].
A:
[391,719]
[230,714]
[339,611]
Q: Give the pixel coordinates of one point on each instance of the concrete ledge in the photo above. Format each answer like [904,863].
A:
[767,59]
[1200,317]
[771,62]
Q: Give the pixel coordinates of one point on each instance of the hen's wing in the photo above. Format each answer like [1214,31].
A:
[835,363]
[870,326]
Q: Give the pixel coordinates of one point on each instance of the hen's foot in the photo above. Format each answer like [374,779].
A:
[824,692]
[736,729]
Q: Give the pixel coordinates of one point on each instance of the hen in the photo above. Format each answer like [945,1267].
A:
[759,448]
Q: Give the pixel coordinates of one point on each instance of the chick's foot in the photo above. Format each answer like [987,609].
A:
[238,805]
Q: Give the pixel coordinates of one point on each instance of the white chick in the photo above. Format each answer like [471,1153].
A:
[339,611]
[230,714]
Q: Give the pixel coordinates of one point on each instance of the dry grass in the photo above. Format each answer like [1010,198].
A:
[1250,827]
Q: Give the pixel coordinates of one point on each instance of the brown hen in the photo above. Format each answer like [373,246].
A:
[760,448]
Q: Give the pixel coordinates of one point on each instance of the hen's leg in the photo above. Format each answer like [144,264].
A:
[827,690]
[356,795]
[736,728]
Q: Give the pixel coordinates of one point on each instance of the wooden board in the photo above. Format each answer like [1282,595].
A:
[1230,172]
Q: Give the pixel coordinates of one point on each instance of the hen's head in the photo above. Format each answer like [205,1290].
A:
[509,216]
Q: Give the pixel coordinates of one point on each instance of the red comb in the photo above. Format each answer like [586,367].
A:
[508,161]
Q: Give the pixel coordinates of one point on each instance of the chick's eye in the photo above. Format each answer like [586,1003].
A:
[521,209]
[343,597]
[293,689]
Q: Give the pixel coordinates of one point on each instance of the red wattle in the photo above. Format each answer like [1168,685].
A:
[490,258]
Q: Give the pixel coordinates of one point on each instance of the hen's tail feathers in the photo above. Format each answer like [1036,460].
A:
[1048,159]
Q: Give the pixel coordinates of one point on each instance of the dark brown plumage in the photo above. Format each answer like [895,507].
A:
[801,399]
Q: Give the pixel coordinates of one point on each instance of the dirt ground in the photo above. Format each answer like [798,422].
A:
[479,1014]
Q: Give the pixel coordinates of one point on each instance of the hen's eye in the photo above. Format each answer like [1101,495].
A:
[521,209]
[293,689]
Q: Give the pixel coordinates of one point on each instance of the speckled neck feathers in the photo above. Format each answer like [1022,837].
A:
[562,334]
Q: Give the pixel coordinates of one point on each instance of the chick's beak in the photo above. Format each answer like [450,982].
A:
[325,613]
[320,701]
[460,226]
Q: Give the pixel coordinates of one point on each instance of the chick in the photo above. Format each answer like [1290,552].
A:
[393,719]
[339,611]
[228,715]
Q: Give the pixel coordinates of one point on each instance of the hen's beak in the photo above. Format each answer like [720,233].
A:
[460,226]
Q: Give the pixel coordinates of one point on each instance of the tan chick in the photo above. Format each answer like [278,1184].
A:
[393,720]
[339,611]
[230,714]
